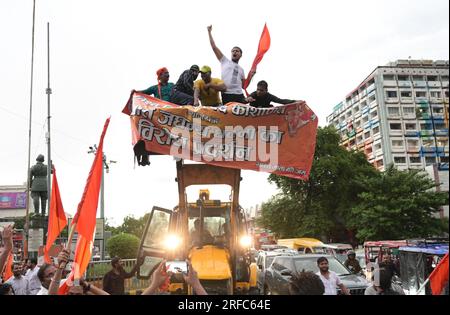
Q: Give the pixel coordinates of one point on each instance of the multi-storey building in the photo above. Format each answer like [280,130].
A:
[399,114]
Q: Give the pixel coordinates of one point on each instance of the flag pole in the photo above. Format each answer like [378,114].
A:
[27,215]
[48,91]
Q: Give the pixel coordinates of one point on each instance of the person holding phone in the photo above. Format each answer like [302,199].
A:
[161,276]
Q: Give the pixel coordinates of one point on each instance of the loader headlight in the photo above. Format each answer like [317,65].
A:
[245,241]
[172,241]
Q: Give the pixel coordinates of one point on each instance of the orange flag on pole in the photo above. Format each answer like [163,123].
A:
[7,272]
[56,218]
[439,276]
[263,47]
[85,218]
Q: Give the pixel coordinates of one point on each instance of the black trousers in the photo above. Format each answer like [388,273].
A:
[226,98]
[41,196]
[181,98]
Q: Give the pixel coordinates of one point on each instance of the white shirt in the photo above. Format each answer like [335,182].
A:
[19,285]
[331,283]
[34,282]
[44,291]
[232,75]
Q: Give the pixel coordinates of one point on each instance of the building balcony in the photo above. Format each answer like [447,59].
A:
[439,116]
[366,125]
[434,83]
[404,83]
[406,100]
[422,101]
[445,84]
[426,133]
[438,100]
[368,142]
[423,116]
[428,149]
[412,133]
[420,83]
[389,83]
[359,129]
[413,149]
[391,99]
[395,132]
[365,110]
[398,149]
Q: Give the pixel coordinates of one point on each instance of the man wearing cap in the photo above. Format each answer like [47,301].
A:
[232,74]
[38,184]
[164,88]
[183,91]
[207,89]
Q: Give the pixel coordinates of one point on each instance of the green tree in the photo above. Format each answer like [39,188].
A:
[123,245]
[319,207]
[398,205]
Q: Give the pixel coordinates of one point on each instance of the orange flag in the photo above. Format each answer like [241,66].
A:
[56,218]
[7,272]
[439,276]
[263,47]
[85,218]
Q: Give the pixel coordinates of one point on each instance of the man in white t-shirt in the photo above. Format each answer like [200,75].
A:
[329,278]
[31,274]
[232,73]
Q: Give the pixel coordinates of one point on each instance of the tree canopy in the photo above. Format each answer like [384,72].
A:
[346,197]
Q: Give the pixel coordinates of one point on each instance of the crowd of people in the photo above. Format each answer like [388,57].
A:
[30,279]
[212,91]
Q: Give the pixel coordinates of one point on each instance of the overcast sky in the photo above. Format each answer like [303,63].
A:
[100,50]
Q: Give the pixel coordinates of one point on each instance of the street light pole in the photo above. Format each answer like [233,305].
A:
[105,166]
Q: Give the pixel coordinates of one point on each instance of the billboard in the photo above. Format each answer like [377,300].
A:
[13,200]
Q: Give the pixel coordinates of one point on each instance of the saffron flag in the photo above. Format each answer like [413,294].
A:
[7,272]
[263,47]
[85,218]
[56,218]
[439,276]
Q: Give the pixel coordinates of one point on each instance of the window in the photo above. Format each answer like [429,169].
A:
[365,119]
[442,143]
[413,143]
[358,124]
[372,99]
[367,135]
[444,77]
[429,160]
[393,111]
[397,143]
[399,160]
[380,162]
[438,110]
[444,159]
[376,130]
[421,94]
[428,143]
[359,139]
[395,126]
[406,94]
[403,77]
[410,126]
[408,111]
[377,146]
[425,126]
[391,94]
[439,126]
[417,78]
[415,159]
[373,114]
[446,94]
[388,77]
[436,94]
[432,78]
